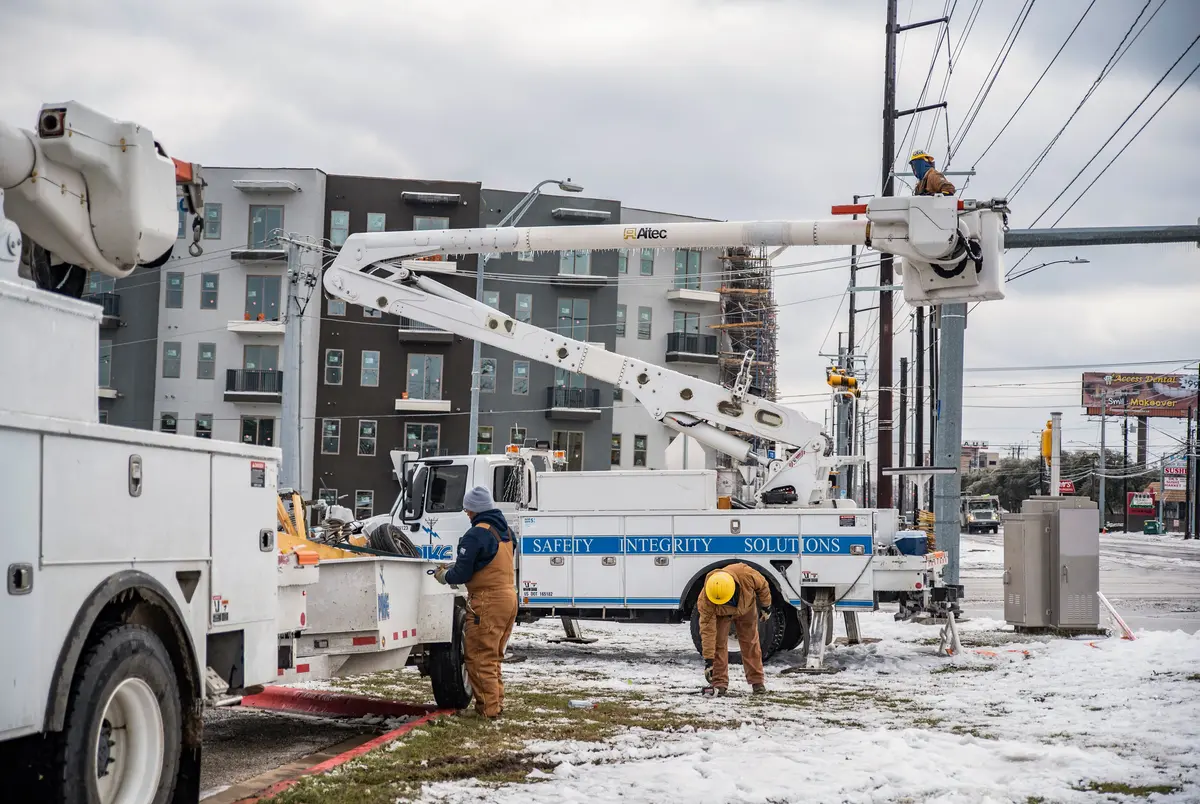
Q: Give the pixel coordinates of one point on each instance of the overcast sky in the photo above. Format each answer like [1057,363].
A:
[735,110]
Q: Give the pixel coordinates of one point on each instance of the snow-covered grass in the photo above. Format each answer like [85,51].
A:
[1010,720]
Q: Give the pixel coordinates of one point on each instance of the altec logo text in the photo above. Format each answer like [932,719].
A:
[645,233]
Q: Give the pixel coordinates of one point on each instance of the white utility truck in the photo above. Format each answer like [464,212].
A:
[644,542]
[143,575]
[980,513]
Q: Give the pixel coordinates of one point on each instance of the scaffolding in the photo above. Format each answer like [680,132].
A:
[748,323]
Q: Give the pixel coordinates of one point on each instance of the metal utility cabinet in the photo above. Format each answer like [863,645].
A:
[1052,564]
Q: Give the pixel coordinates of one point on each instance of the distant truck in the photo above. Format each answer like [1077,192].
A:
[980,514]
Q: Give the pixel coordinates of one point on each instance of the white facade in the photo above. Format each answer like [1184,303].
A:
[688,302]
[220,327]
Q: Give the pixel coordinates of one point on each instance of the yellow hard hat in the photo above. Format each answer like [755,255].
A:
[920,155]
[719,587]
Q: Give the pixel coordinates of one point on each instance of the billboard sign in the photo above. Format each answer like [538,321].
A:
[1164,395]
[1066,487]
[1175,479]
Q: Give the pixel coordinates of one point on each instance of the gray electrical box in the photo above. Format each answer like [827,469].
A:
[1052,564]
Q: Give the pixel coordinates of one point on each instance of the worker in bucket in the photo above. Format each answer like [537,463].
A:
[485,565]
[736,595]
[930,181]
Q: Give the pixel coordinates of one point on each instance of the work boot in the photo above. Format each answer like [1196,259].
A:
[722,692]
[759,689]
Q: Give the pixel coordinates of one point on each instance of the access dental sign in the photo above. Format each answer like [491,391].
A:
[645,233]
[696,545]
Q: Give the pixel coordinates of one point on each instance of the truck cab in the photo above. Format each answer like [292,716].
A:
[980,514]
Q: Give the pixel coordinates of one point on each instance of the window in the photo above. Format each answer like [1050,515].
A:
[371,312]
[447,486]
[172,351]
[573,318]
[687,268]
[524,308]
[364,504]
[264,223]
[506,484]
[614,452]
[335,307]
[333,366]
[520,383]
[424,377]
[331,436]
[99,283]
[206,361]
[578,261]
[620,321]
[104,417]
[260,358]
[174,290]
[644,316]
[209,285]
[618,394]
[423,223]
[169,422]
[623,261]
[639,450]
[106,364]
[376,221]
[571,442]
[258,430]
[647,262]
[182,224]
[262,298]
[525,256]
[487,375]
[483,441]
[687,322]
[203,425]
[516,435]
[339,226]
[212,221]
[423,439]
[370,369]
[568,379]
[492,299]
[330,496]
[368,432]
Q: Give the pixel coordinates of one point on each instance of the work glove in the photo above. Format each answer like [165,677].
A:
[764,614]
[708,670]
[439,574]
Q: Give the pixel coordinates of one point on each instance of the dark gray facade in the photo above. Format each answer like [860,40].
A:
[573,413]
[128,358]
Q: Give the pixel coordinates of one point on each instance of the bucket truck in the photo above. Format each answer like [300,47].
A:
[144,578]
[639,542]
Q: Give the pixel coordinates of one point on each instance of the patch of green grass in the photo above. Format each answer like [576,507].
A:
[1193,677]
[488,752]
[964,668]
[1034,800]
[930,721]
[972,732]
[1141,791]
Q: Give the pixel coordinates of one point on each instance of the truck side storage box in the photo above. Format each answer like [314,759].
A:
[668,490]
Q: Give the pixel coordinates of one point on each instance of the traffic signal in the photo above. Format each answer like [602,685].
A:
[1048,441]
[838,378]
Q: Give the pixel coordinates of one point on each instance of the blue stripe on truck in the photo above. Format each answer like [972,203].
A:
[694,545]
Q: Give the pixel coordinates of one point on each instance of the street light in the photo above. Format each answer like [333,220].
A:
[1028,271]
[514,215]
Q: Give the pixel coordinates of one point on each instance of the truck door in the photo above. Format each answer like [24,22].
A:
[598,563]
[648,557]
[444,520]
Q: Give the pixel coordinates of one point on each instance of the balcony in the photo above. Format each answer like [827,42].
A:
[579,280]
[110,303]
[254,326]
[408,404]
[691,347]
[573,404]
[693,295]
[415,332]
[265,252]
[254,385]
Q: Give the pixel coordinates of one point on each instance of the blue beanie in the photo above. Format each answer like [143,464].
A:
[478,500]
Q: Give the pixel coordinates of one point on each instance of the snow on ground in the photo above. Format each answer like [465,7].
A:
[1012,721]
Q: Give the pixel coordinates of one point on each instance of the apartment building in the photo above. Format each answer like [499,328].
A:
[384,382]
[128,354]
[571,292]
[220,315]
[667,300]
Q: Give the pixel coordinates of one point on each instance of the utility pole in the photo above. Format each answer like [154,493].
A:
[1189,476]
[933,396]
[903,430]
[952,319]
[884,407]
[1055,453]
[289,435]
[1103,468]
[1125,475]
[919,406]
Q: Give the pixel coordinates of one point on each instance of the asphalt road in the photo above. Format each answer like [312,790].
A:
[1154,583]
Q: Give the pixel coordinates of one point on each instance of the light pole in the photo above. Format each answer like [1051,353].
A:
[514,215]
[1028,271]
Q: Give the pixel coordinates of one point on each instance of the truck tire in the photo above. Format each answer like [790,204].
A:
[387,538]
[770,634]
[123,732]
[448,667]
[793,628]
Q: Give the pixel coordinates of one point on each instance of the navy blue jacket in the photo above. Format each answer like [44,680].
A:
[478,546]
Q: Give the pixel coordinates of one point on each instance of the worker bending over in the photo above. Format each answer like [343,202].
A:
[736,594]
[929,180]
[485,564]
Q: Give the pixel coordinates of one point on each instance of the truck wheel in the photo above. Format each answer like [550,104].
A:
[122,736]
[793,628]
[448,668]
[770,634]
[387,538]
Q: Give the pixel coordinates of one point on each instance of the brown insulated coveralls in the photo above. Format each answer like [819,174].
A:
[933,183]
[752,592]
[492,610]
